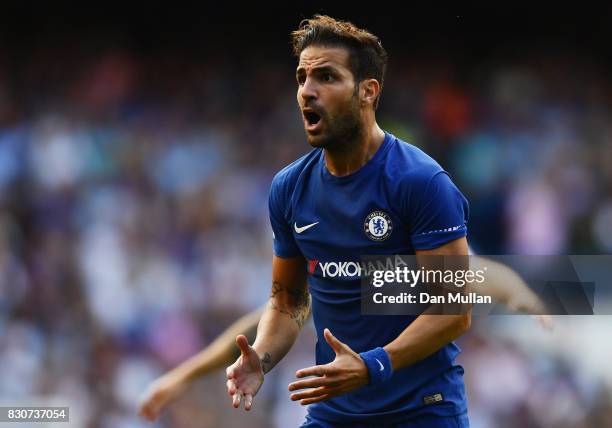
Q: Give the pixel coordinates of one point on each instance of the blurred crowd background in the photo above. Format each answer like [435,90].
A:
[135,162]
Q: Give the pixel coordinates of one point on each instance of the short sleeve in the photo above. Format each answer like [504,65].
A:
[283,241]
[438,213]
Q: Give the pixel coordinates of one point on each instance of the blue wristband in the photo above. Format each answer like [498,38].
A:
[379,365]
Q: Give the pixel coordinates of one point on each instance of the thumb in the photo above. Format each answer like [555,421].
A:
[243,344]
[335,344]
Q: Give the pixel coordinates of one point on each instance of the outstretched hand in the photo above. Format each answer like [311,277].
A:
[530,303]
[245,376]
[346,373]
[159,394]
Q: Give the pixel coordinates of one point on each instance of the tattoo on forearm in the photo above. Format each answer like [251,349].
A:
[298,303]
[266,363]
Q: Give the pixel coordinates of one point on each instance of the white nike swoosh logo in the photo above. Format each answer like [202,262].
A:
[303,228]
[381,364]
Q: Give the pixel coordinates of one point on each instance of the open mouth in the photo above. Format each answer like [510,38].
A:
[312,118]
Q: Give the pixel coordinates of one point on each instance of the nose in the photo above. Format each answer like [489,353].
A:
[308,91]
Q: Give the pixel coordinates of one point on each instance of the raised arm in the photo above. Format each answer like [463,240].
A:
[507,287]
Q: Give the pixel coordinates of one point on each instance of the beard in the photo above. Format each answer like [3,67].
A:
[341,130]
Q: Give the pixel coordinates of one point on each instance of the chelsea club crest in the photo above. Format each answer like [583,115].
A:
[378,226]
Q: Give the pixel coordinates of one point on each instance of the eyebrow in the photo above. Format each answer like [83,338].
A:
[320,69]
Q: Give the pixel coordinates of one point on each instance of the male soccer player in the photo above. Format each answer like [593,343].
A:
[360,191]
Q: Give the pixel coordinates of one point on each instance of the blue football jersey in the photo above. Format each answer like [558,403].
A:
[400,201]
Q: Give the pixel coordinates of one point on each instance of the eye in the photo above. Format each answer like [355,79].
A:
[328,77]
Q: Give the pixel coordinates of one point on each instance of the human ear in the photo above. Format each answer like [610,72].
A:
[369,89]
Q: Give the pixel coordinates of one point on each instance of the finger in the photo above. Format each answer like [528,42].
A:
[546,321]
[312,382]
[143,413]
[231,387]
[248,402]
[143,408]
[243,344]
[230,372]
[310,393]
[148,417]
[147,413]
[236,400]
[335,344]
[308,401]
[312,371]
[148,409]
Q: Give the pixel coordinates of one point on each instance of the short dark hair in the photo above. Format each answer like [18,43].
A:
[367,57]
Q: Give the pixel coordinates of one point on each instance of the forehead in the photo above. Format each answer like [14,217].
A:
[319,56]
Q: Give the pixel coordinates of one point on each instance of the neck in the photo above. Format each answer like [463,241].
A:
[355,154]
